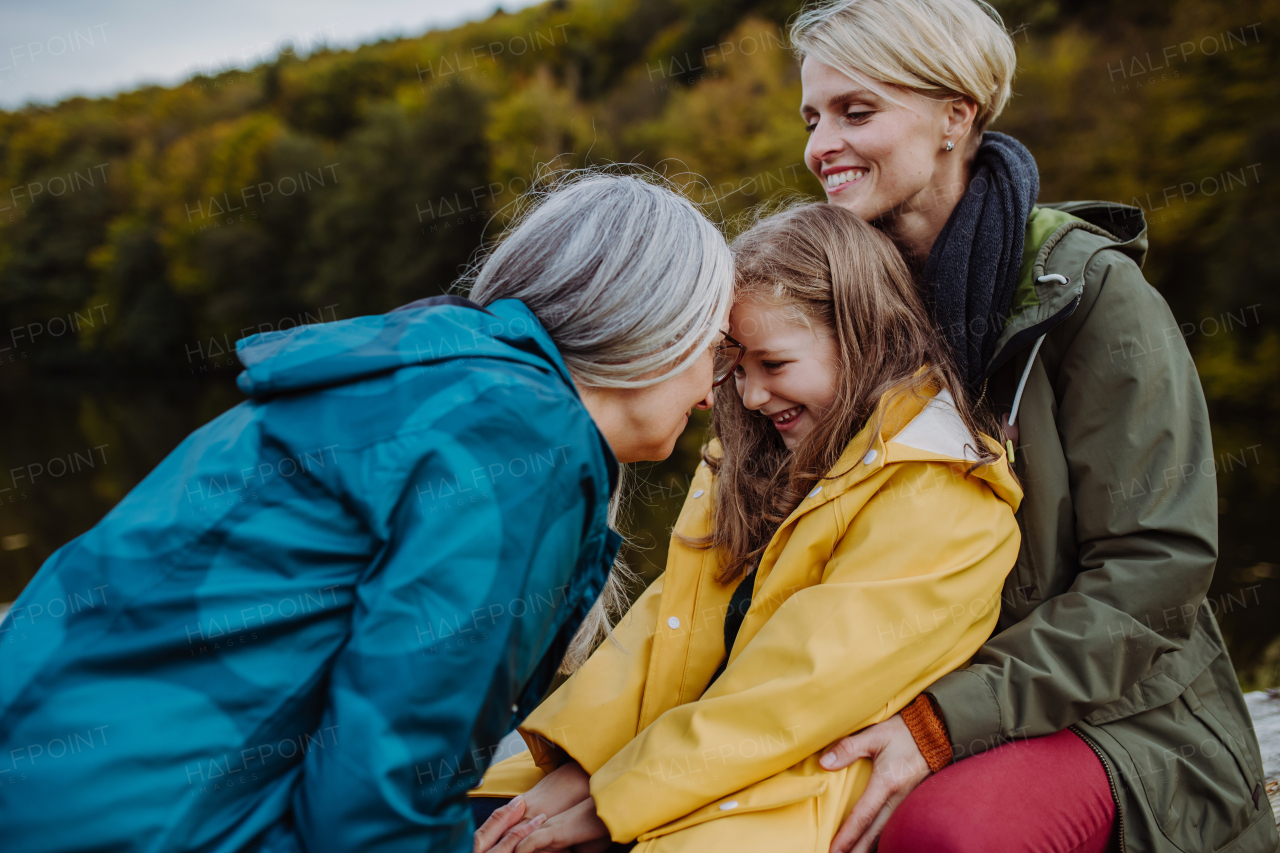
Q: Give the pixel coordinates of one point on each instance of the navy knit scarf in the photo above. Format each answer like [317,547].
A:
[972,270]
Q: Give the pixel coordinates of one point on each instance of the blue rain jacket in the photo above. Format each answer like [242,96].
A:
[310,625]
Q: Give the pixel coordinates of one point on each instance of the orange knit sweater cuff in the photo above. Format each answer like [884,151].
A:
[930,733]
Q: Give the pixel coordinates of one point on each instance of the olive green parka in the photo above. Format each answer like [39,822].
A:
[1103,626]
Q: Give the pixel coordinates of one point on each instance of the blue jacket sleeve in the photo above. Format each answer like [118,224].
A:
[490,524]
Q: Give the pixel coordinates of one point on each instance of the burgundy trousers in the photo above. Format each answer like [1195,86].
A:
[1040,795]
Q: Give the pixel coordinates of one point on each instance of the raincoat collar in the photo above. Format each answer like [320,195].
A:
[867,453]
[323,355]
[429,331]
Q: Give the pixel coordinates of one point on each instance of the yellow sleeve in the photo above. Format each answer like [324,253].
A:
[592,715]
[509,778]
[910,592]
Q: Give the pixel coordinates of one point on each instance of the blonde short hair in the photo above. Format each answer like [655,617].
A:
[937,48]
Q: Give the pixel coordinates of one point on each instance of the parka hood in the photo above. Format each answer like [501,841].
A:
[1124,222]
[1060,241]
[425,332]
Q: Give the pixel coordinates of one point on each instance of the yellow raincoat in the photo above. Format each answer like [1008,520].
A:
[885,578]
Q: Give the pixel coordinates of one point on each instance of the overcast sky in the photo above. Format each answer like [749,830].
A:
[52,49]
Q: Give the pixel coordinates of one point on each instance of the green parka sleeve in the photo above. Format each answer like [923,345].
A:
[1115,405]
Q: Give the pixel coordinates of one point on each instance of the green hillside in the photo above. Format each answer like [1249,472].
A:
[142,234]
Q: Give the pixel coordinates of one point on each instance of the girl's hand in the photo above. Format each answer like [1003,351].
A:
[897,767]
[578,830]
[500,833]
[560,790]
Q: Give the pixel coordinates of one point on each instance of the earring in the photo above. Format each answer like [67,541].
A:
[950,145]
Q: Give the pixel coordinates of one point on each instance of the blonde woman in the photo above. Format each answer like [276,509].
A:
[841,549]
[1104,713]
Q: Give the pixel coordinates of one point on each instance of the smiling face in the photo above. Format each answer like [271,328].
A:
[790,371]
[658,414]
[882,158]
[643,424]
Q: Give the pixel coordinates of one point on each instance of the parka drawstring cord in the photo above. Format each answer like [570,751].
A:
[1061,281]
[1017,397]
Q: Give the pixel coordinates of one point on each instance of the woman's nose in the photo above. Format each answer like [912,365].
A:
[824,143]
[708,401]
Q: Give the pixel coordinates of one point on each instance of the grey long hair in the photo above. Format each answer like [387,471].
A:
[627,277]
[630,281]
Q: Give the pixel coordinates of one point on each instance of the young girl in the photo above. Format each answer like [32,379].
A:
[842,547]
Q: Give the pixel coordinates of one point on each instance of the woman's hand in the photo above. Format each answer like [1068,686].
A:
[1010,430]
[560,790]
[578,830]
[897,767]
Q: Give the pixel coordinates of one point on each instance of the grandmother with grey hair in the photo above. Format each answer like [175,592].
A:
[326,607]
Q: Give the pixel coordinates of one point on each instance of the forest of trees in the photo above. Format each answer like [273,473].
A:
[142,234]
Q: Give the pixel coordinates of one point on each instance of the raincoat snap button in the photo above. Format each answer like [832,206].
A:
[870,457]
[732,804]
[673,622]
[815,491]
[698,493]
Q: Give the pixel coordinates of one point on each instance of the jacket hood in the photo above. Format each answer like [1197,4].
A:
[1123,222]
[913,428]
[1060,241]
[424,332]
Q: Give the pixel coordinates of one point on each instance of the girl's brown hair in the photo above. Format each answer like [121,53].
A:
[826,266]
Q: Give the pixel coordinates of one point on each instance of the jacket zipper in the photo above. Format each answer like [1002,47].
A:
[1028,335]
[1115,794]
